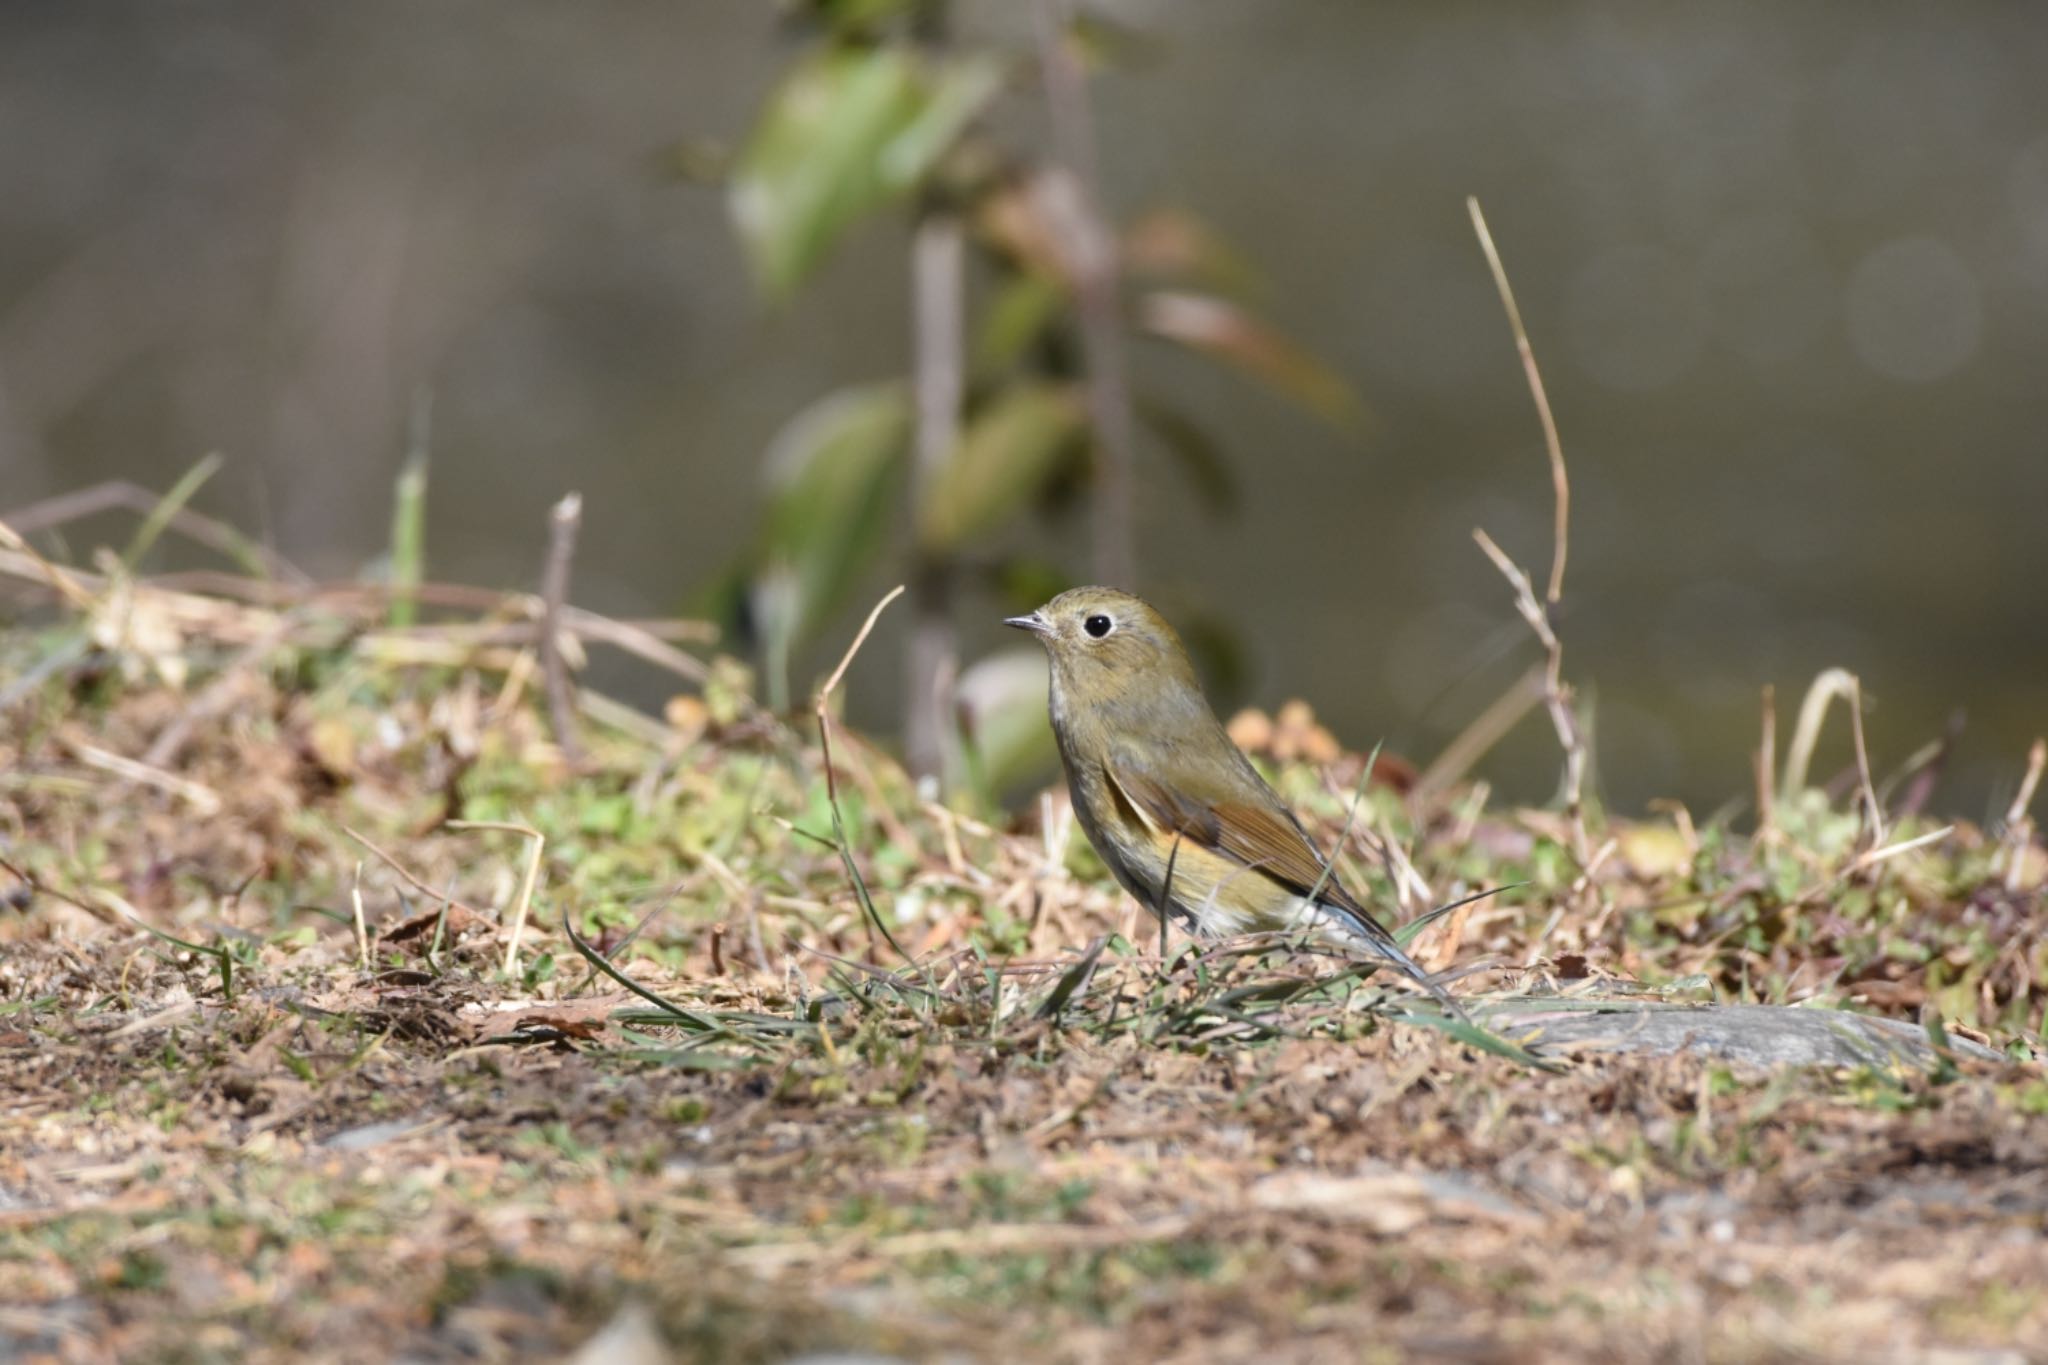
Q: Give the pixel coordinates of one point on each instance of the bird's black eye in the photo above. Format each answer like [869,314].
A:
[1098,626]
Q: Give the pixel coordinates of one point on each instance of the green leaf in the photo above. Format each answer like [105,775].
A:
[1009,452]
[847,131]
[834,474]
[1019,314]
[167,509]
[1475,1036]
[855,16]
[954,94]
[1225,332]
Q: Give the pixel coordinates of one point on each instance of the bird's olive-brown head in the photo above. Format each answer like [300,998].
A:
[1107,646]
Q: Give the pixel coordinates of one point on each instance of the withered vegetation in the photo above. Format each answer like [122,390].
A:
[300,1056]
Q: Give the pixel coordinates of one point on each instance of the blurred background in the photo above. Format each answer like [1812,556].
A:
[1785,269]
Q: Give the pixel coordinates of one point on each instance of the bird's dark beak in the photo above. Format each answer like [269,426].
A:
[1035,623]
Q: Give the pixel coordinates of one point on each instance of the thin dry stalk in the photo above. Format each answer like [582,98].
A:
[1091,252]
[2019,822]
[1766,764]
[627,720]
[1560,485]
[407,877]
[528,877]
[1556,696]
[1873,810]
[856,750]
[63,580]
[203,799]
[823,708]
[1878,855]
[1409,886]
[1832,683]
[846,662]
[355,896]
[563,523]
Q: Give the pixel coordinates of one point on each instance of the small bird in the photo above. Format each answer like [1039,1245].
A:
[1176,810]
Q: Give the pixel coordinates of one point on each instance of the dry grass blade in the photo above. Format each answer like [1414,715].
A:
[355,897]
[681,1014]
[823,710]
[2019,822]
[1072,980]
[563,522]
[1832,684]
[405,874]
[203,799]
[529,875]
[1878,855]
[255,559]
[31,564]
[166,509]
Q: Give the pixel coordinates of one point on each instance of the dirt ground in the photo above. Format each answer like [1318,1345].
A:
[293,1066]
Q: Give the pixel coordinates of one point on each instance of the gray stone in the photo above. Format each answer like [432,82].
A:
[1758,1035]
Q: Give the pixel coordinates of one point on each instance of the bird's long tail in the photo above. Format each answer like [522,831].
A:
[1370,933]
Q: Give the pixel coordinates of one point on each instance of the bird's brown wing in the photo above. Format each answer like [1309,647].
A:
[1263,838]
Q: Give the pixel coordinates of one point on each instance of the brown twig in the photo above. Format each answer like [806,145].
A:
[1556,696]
[1560,485]
[563,523]
[1091,252]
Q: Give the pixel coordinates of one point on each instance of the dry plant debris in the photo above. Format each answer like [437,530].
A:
[276,1081]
